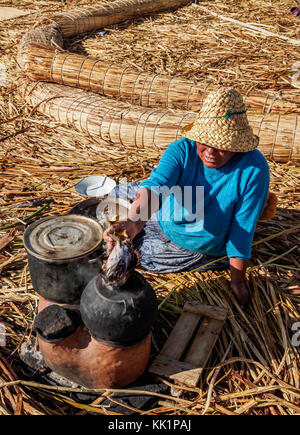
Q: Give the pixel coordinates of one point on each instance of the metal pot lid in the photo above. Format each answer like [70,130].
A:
[63,237]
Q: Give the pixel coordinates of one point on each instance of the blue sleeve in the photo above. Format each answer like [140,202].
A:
[247,212]
[168,170]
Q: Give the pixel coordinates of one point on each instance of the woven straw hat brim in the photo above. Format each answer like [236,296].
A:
[222,123]
[223,138]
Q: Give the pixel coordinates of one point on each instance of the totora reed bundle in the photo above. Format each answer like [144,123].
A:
[138,115]
[78,21]
[125,84]
[117,122]
[106,119]
[90,18]
[46,63]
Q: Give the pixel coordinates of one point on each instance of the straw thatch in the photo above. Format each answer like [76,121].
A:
[133,126]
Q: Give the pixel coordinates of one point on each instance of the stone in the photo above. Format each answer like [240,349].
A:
[32,357]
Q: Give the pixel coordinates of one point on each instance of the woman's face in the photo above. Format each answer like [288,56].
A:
[212,157]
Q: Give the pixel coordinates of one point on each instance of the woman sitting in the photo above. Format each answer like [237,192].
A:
[204,198]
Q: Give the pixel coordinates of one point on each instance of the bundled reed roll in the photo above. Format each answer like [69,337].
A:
[279,136]
[95,17]
[121,123]
[139,88]
[106,119]
[126,84]
[142,88]
[44,35]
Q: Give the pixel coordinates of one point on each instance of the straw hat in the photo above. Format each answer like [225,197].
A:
[222,123]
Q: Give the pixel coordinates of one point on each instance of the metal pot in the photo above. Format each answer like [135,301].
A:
[119,316]
[64,254]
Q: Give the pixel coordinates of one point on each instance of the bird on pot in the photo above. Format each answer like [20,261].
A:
[121,260]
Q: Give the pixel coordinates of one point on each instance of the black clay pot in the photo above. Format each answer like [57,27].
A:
[64,254]
[120,316]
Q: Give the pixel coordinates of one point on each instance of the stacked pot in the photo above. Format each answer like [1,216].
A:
[92,333]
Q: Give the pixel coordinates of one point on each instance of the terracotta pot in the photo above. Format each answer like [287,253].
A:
[93,364]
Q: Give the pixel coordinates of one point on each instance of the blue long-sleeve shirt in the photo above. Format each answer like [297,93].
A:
[219,210]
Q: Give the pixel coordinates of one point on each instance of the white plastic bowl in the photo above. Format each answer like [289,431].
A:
[96,186]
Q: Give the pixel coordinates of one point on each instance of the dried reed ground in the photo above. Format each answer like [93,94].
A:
[42,160]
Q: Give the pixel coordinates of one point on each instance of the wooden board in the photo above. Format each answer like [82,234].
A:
[180,335]
[189,346]
[9,13]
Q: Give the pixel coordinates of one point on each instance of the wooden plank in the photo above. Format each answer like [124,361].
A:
[167,363]
[211,311]
[188,377]
[180,336]
[204,342]
[177,370]
[169,368]
[202,347]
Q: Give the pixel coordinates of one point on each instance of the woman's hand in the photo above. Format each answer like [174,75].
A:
[130,227]
[144,205]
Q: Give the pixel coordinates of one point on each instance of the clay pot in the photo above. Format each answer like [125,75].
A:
[93,364]
[87,362]
[119,315]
